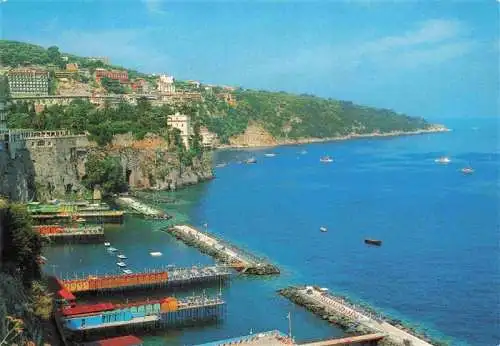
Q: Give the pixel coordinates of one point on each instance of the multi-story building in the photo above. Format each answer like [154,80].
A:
[121,76]
[208,138]
[166,84]
[3,118]
[183,124]
[140,86]
[30,81]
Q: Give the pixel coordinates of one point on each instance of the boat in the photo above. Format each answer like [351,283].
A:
[122,257]
[155,254]
[326,159]
[303,152]
[270,155]
[373,242]
[127,271]
[467,170]
[220,165]
[107,243]
[251,160]
[323,229]
[443,160]
[112,249]
[121,264]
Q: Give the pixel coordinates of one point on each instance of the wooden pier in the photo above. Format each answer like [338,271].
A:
[62,234]
[96,217]
[173,277]
[348,316]
[225,252]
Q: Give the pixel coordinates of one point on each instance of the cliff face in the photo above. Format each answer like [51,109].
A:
[54,167]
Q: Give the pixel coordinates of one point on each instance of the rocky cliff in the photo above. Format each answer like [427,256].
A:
[50,168]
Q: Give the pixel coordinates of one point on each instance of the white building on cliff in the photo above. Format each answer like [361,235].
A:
[166,84]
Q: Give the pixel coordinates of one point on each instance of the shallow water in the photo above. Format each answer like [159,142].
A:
[437,267]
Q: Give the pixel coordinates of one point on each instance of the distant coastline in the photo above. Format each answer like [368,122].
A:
[435,128]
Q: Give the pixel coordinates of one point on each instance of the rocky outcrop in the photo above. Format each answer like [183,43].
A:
[254,136]
[51,168]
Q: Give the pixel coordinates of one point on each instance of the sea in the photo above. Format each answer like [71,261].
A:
[438,266]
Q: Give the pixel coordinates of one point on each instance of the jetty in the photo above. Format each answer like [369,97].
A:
[172,277]
[350,317]
[80,323]
[269,338]
[141,208]
[229,254]
[81,234]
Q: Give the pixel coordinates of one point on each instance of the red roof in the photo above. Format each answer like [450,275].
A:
[87,309]
[128,340]
[65,294]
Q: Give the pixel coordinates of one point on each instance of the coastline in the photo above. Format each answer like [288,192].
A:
[285,142]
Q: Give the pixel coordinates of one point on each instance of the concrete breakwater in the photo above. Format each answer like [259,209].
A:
[229,254]
[352,318]
[141,208]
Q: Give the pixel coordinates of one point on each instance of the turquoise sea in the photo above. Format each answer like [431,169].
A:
[438,267]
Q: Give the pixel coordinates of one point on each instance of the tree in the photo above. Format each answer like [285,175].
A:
[54,56]
[106,172]
[22,245]
[112,86]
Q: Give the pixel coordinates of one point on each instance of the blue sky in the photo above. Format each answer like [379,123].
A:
[432,59]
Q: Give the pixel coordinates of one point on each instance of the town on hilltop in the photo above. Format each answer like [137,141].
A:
[60,85]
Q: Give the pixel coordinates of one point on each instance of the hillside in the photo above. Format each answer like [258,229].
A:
[228,112]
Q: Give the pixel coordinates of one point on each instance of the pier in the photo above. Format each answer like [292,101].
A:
[350,317]
[98,217]
[173,277]
[270,338]
[86,322]
[142,208]
[229,254]
[62,234]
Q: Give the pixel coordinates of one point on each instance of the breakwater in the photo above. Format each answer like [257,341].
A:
[354,319]
[141,208]
[223,251]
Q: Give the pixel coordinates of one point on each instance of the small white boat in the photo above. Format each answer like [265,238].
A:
[107,243]
[270,155]
[122,257]
[326,159]
[155,254]
[127,271]
[443,160]
[323,229]
[220,165]
[467,170]
[251,160]
[112,249]
[121,264]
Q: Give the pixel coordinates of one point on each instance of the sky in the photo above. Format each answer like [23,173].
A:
[436,59]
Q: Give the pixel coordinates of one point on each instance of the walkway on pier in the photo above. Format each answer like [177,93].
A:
[140,207]
[348,341]
[380,326]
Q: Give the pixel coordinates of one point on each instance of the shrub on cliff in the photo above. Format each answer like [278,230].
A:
[105,172]
[21,244]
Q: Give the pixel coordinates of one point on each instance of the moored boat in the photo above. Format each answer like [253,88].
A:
[323,229]
[107,243]
[112,249]
[155,254]
[122,257]
[270,155]
[326,159]
[443,160]
[127,271]
[373,242]
[121,264]
[467,170]
[251,160]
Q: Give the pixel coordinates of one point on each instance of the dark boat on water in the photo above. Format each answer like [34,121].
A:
[373,242]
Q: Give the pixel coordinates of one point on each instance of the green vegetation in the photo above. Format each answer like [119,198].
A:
[106,173]
[112,86]
[299,116]
[24,301]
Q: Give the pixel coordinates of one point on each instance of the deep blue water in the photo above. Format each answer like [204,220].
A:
[438,267]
